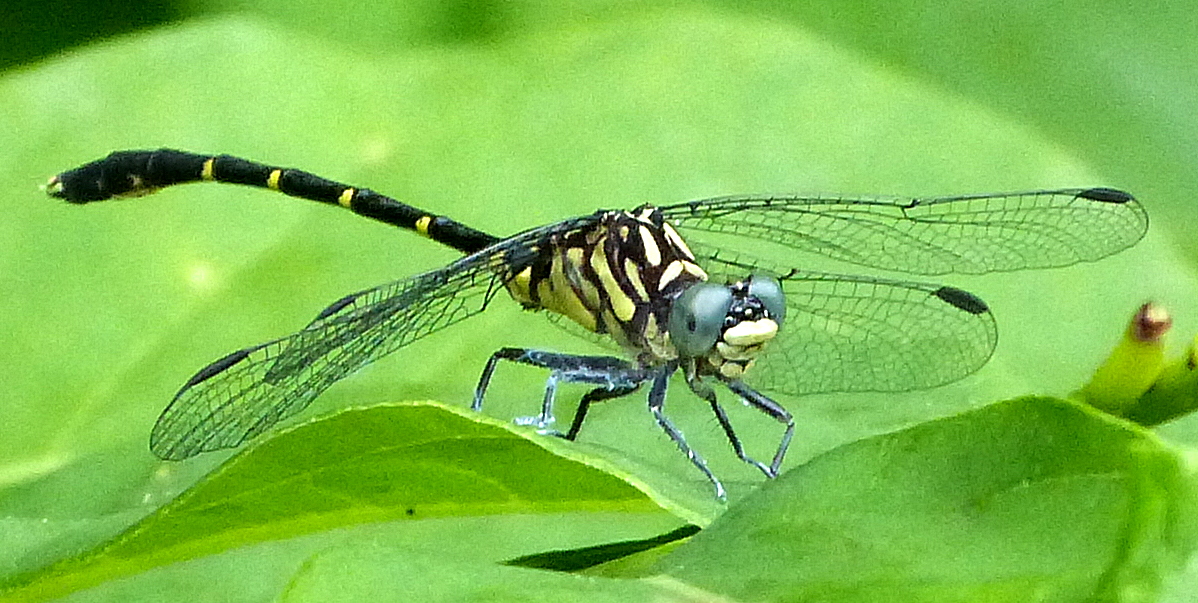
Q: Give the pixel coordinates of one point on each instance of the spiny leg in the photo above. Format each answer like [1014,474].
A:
[657,398]
[759,401]
[544,422]
[484,380]
[704,391]
[617,376]
[598,394]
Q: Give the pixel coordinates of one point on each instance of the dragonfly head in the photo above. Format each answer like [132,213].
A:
[726,326]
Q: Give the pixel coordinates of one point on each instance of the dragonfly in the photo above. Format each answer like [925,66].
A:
[677,288]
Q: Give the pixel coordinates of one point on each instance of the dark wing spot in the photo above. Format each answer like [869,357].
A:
[218,367]
[336,306]
[1106,195]
[962,299]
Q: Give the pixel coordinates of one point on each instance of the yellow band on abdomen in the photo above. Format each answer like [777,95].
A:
[422,225]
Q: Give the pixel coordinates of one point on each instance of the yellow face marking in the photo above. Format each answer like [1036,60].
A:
[669,274]
[736,352]
[753,332]
[272,181]
[422,225]
[634,277]
[732,370]
[714,358]
[621,304]
[676,239]
[645,214]
[346,199]
[206,171]
[652,253]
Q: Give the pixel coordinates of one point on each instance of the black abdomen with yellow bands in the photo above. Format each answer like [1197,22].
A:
[134,173]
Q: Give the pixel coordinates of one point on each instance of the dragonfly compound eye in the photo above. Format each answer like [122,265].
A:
[769,292]
[697,317]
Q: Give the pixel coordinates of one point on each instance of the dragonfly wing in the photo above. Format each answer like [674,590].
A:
[248,391]
[967,234]
[854,333]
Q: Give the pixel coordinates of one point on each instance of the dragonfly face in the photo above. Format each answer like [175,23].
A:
[722,328]
[714,310]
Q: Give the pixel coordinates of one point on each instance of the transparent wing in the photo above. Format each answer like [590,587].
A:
[248,391]
[967,234]
[854,333]
[603,340]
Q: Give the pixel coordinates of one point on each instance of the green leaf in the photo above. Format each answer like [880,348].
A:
[1032,499]
[379,463]
[383,463]
[361,573]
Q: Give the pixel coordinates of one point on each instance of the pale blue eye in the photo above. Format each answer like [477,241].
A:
[769,291]
[697,317]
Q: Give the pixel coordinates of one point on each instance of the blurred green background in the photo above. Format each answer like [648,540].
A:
[507,115]
[1113,80]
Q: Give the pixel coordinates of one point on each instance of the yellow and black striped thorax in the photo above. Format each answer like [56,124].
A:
[618,275]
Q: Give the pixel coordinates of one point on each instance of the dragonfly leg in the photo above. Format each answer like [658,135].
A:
[617,377]
[544,422]
[657,398]
[704,391]
[598,394]
[761,402]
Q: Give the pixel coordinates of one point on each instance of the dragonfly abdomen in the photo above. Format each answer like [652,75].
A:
[138,173]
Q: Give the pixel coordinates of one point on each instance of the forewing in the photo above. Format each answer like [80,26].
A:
[967,234]
[247,392]
[853,333]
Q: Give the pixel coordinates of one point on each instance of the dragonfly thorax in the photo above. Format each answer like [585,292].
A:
[617,275]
